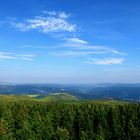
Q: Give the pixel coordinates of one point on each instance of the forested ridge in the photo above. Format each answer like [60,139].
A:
[31,120]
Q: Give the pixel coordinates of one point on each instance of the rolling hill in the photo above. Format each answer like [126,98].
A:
[55,97]
[59,97]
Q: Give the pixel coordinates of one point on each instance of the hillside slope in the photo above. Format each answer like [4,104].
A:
[59,97]
[50,98]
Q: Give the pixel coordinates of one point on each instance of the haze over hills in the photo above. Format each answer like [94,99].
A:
[129,92]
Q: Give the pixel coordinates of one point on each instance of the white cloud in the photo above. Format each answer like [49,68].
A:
[76,53]
[75,42]
[59,14]
[4,56]
[79,44]
[63,15]
[10,56]
[27,57]
[79,47]
[106,61]
[52,22]
[51,13]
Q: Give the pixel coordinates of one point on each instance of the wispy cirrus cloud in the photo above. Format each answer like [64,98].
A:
[27,57]
[10,56]
[76,53]
[80,44]
[6,56]
[105,61]
[75,42]
[76,46]
[53,21]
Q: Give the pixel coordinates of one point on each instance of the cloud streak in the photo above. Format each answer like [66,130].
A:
[27,57]
[75,42]
[6,56]
[75,53]
[10,56]
[78,47]
[105,61]
[79,44]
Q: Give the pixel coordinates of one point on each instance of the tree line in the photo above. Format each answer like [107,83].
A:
[73,121]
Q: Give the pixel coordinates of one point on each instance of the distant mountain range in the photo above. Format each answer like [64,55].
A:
[130,92]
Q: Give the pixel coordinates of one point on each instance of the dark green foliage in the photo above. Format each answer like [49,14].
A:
[69,121]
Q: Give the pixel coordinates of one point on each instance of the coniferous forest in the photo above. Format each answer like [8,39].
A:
[32,120]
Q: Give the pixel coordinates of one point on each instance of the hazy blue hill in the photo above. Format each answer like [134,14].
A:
[130,92]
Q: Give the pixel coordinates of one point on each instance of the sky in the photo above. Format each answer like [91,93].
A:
[76,41]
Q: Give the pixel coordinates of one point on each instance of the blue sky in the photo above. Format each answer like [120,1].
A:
[63,41]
